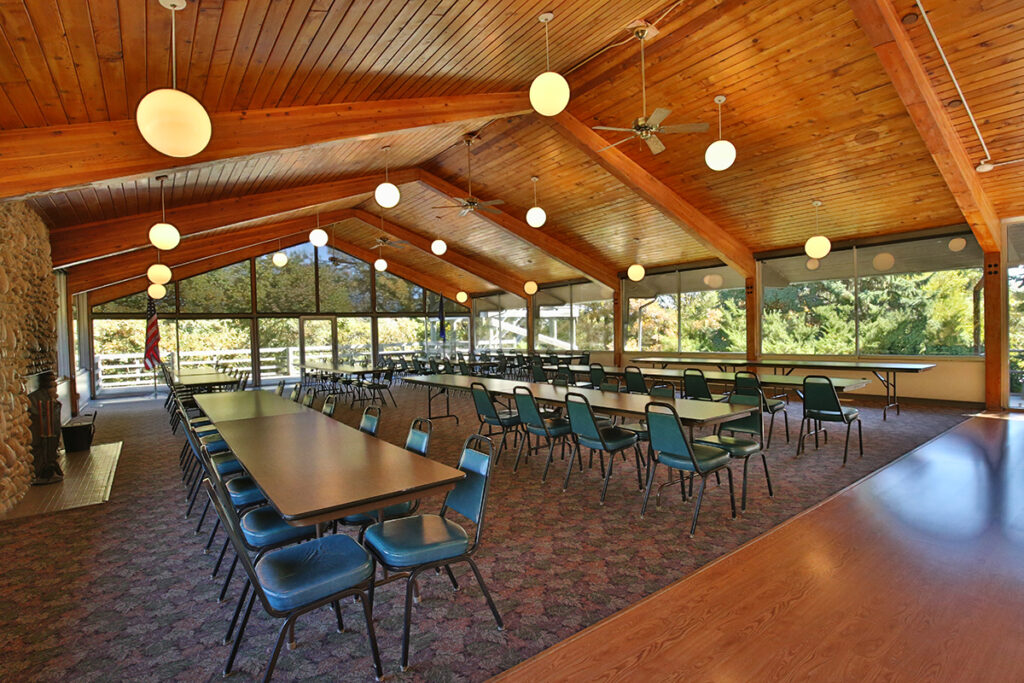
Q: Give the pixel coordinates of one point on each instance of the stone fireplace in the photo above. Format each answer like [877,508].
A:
[28,338]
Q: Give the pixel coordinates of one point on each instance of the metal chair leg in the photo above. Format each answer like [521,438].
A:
[568,470]
[238,638]
[370,633]
[696,510]
[607,477]
[277,649]
[487,593]
[408,620]
[650,485]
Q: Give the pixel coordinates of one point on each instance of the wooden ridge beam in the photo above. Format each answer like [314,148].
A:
[590,266]
[84,242]
[52,157]
[496,276]
[878,20]
[727,247]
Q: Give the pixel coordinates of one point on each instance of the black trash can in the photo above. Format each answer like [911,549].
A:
[78,431]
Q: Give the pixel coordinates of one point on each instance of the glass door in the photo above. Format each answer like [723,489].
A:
[318,339]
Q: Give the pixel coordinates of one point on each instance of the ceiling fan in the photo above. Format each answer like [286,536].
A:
[385,241]
[646,127]
[470,203]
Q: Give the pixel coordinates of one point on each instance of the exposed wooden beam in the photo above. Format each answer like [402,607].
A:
[496,276]
[427,281]
[47,158]
[726,246]
[79,243]
[883,28]
[590,266]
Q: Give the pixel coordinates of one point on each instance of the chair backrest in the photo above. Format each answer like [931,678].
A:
[539,376]
[418,440]
[417,364]
[482,400]
[820,395]
[295,393]
[635,383]
[564,374]
[663,391]
[596,375]
[434,368]
[370,422]
[610,384]
[752,423]
[307,399]
[666,432]
[585,358]
[469,497]
[526,405]
[329,405]
[280,388]
[749,384]
[695,386]
[581,416]
[464,368]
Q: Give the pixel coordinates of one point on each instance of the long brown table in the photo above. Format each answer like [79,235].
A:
[339,368]
[780,381]
[914,573]
[242,405]
[203,377]
[691,412]
[885,371]
[314,469]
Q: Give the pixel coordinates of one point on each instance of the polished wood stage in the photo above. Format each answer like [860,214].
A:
[914,573]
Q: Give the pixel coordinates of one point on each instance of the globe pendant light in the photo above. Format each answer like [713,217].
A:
[536,216]
[462,297]
[714,280]
[387,194]
[171,121]
[549,92]
[883,261]
[720,153]
[280,259]
[957,244]
[818,246]
[317,236]
[158,274]
[163,235]
[636,272]
[439,247]
[530,287]
[813,263]
[156,291]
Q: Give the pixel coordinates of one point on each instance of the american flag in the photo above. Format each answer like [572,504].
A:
[152,357]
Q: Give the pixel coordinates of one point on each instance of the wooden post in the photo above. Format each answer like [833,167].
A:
[753,319]
[617,317]
[997,364]
[531,322]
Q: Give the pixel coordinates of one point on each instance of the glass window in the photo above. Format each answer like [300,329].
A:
[119,346]
[652,309]
[136,303]
[574,317]
[809,305]
[344,283]
[396,295]
[500,323]
[207,342]
[401,335]
[554,320]
[1015,291]
[279,349]
[354,341]
[290,289]
[225,290]
[712,311]
[449,305]
[921,298]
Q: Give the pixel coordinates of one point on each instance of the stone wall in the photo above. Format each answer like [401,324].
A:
[28,337]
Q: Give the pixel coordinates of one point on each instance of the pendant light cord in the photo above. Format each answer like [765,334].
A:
[163,211]
[469,168]
[719,120]
[535,192]
[174,53]
[547,55]
[387,149]
[643,78]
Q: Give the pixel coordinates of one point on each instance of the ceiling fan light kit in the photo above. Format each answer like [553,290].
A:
[171,121]
[549,92]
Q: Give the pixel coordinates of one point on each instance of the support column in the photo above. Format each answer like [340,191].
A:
[618,317]
[997,364]
[753,319]
[531,323]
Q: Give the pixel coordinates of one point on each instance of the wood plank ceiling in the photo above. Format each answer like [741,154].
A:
[809,108]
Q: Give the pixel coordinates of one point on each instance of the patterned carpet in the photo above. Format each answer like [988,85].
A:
[122,591]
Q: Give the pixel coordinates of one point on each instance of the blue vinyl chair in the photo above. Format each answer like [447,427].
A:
[369,423]
[741,448]
[635,383]
[503,420]
[695,386]
[297,579]
[553,429]
[422,542]
[821,404]
[671,449]
[749,383]
[586,431]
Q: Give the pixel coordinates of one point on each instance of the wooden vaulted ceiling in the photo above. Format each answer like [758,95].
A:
[810,109]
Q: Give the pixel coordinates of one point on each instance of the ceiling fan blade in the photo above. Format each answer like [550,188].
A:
[465,210]
[485,207]
[685,128]
[656,145]
[616,144]
[492,202]
[659,115]
[624,130]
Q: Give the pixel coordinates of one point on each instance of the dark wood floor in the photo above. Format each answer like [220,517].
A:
[915,573]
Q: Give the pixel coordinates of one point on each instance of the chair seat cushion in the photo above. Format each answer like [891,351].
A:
[506,418]
[243,491]
[390,512]
[638,428]
[737,447]
[556,426]
[615,439]
[226,464]
[214,444]
[775,405]
[708,458]
[417,540]
[847,415]
[603,420]
[301,574]
[263,527]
